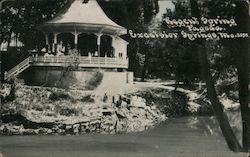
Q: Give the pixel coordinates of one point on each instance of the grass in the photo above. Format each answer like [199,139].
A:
[66,111]
[87,99]
[59,95]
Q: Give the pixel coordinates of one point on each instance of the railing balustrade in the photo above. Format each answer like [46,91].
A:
[81,61]
[94,61]
[18,68]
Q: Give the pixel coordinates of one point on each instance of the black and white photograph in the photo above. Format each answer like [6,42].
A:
[124,78]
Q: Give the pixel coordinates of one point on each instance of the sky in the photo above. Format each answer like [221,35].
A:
[163,4]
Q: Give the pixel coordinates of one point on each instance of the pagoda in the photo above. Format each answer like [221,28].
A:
[83,36]
[89,20]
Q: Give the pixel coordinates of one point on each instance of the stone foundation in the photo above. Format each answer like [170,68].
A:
[79,79]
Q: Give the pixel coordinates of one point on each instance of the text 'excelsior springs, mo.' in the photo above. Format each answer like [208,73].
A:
[193,28]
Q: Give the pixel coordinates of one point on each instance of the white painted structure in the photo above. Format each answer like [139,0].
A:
[86,18]
[80,18]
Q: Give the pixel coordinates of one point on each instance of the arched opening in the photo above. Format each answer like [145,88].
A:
[67,40]
[106,46]
[51,40]
[87,43]
[40,43]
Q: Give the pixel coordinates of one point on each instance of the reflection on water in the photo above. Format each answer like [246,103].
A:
[210,126]
[184,136]
[234,117]
[201,125]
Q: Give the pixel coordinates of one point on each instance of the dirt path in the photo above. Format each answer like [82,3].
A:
[191,94]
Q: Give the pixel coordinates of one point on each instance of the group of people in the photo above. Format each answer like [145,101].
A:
[117,103]
[61,50]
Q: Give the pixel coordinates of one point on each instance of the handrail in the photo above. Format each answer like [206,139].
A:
[18,68]
[82,60]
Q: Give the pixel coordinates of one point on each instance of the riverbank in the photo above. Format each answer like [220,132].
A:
[43,110]
[47,110]
[190,136]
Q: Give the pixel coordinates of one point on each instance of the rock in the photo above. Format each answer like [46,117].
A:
[76,128]
[5,90]
[48,95]
[120,114]
[49,131]
[132,115]
[68,129]
[124,104]
[36,131]
[122,126]
[106,113]
[138,102]
[83,126]
[28,132]
[5,130]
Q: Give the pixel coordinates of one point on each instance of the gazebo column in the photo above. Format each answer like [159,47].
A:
[76,39]
[47,42]
[99,35]
[55,43]
[113,45]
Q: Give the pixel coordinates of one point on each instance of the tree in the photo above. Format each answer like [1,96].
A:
[239,52]
[135,15]
[21,17]
[205,49]
[211,92]
[242,16]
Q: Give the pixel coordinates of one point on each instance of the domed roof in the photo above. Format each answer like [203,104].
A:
[83,17]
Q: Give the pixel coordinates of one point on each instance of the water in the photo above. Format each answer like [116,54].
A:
[185,136]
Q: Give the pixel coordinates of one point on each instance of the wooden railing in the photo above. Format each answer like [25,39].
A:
[18,68]
[81,61]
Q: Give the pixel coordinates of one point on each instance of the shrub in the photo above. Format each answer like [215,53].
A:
[227,83]
[87,98]
[58,95]
[206,109]
[66,111]
[175,104]
[171,103]
[38,107]
[95,81]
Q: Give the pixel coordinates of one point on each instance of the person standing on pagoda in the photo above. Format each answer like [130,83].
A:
[60,49]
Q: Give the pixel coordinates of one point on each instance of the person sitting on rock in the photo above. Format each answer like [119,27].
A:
[119,102]
[105,98]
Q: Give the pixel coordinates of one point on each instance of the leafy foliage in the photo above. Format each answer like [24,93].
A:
[171,103]
[59,95]
[22,18]
[136,15]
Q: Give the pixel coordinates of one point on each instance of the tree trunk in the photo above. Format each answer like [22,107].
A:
[242,16]
[144,68]
[226,129]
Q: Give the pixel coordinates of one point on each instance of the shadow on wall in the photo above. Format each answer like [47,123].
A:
[95,81]
[63,78]
[77,80]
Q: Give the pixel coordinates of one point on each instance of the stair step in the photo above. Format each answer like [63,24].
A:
[18,69]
